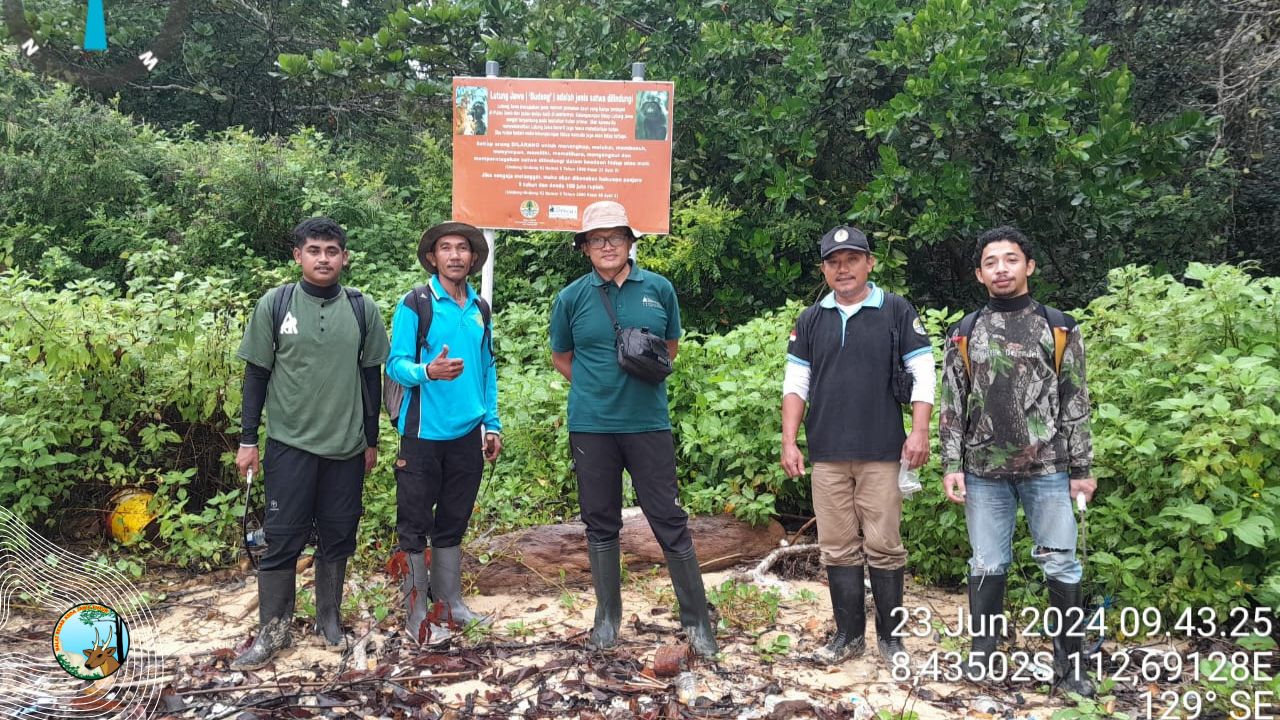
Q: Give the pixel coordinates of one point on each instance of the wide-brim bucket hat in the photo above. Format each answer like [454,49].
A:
[474,236]
[603,214]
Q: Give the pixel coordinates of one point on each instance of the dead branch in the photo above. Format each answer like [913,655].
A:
[1248,59]
[757,575]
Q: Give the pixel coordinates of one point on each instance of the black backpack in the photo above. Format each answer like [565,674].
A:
[1059,322]
[392,391]
[284,296]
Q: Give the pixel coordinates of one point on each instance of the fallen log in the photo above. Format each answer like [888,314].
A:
[550,556]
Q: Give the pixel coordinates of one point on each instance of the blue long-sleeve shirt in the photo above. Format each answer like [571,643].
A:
[449,409]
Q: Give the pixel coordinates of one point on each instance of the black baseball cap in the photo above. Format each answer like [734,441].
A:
[844,237]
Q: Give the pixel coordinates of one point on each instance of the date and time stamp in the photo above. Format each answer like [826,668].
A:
[1151,650]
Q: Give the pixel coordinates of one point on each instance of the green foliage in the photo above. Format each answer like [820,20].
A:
[222,76]
[724,387]
[101,391]
[530,268]
[93,160]
[238,192]
[745,606]
[532,483]
[930,119]
[1009,113]
[1186,390]
[771,647]
[1235,682]
[133,201]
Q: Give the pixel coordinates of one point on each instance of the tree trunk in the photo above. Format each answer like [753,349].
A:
[533,559]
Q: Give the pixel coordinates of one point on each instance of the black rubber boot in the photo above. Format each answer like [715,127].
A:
[446,585]
[1069,667]
[848,605]
[686,578]
[606,576]
[275,618]
[986,607]
[886,589]
[328,587]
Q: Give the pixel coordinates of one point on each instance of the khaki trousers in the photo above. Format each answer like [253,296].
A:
[859,507]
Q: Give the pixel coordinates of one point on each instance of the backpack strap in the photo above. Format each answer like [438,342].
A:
[356,298]
[424,313]
[1060,324]
[487,313]
[961,338]
[279,308]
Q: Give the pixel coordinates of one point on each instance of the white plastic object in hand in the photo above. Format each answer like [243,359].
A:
[1081,503]
[908,479]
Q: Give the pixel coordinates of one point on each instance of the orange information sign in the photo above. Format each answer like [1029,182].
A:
[532,154]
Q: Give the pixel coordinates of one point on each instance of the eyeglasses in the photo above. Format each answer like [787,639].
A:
[615,240]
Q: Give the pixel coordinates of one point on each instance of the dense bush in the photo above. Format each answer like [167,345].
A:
[102,391]
[124,188]
[1186,390]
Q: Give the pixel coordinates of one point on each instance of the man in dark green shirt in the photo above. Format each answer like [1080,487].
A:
[304,356]
[617,421]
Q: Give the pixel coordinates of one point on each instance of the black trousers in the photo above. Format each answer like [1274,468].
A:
[650,459]
[304,491]
[436,486]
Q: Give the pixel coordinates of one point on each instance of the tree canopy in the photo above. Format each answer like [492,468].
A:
[1113,132]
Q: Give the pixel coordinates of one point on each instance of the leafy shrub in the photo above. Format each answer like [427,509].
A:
[62,161]
[1186,394]
[240,192]
[532,482]
[123,187]
[101,391]
[725,401]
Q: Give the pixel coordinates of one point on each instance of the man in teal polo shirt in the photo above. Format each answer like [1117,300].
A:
[617,421]
[448,420]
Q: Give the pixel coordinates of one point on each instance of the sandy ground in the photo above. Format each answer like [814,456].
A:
[202,621]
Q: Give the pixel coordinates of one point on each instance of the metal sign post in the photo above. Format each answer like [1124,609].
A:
[490,236]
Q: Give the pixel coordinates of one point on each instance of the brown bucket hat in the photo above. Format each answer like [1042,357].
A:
[479,248]
[603,214]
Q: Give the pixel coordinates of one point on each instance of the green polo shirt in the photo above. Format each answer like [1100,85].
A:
[313,398]
[603,398]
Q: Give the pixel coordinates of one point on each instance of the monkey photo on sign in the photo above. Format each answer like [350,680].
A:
[477,126]
[651,121]
[470,110]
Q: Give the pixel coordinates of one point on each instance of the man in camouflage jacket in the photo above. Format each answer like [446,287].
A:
[1014,427]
